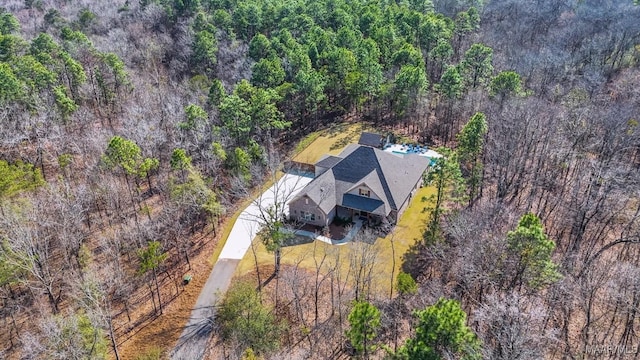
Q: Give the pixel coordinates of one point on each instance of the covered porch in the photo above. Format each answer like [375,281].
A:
[370,211]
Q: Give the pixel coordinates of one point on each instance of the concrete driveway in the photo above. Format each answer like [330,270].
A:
[196,334]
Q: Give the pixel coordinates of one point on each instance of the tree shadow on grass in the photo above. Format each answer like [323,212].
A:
[413,259]
[297,240]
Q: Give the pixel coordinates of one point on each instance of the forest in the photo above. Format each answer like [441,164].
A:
[130,131]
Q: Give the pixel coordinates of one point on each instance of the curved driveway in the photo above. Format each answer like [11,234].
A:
[196,334]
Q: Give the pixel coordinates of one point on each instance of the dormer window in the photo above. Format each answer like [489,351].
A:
[365,192]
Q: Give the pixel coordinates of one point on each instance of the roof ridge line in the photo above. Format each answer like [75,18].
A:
[383,180]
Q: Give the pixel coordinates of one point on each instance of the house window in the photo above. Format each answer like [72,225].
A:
[306,201]
[307,216]
[365,192]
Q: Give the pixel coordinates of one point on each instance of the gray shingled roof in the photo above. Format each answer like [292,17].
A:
[328,161]
[389,176]
[370,139]
[372,181]
[322,191]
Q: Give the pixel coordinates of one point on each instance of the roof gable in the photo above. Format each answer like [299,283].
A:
[363,163]
[373,182]
[322,190]
[396,175]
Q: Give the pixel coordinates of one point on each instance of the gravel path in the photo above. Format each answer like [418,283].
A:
[192,343]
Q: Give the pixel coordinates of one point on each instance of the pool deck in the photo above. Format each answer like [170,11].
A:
[402,150]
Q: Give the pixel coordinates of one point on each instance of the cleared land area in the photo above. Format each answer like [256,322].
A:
[388,250]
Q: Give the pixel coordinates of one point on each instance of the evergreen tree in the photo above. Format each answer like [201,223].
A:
[193,194]
[441,333]
[216,93]
[477,65]
[470,146]
[8,22]
[180,160]
[505,84]
[406,284]
[195,115]
[66,106]
[268,73]
[204,50]
[18,177]
[244,321]
[259,47]
[410,83]
[10,87]
[445,175]
[151,258]
[532,250]
[364,321]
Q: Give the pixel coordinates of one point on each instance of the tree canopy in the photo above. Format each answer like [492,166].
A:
[244,319]
[364,321]
[18,177]
[441,332]
[505,83]
[126,155]
[470,147]
[202,98]
[532,249]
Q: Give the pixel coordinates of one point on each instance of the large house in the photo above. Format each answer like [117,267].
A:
[363,181]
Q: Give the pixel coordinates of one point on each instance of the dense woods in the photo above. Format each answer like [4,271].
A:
[130,129]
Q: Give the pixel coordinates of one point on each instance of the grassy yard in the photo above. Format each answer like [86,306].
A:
[389,250]
[331,141]
[409,229]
